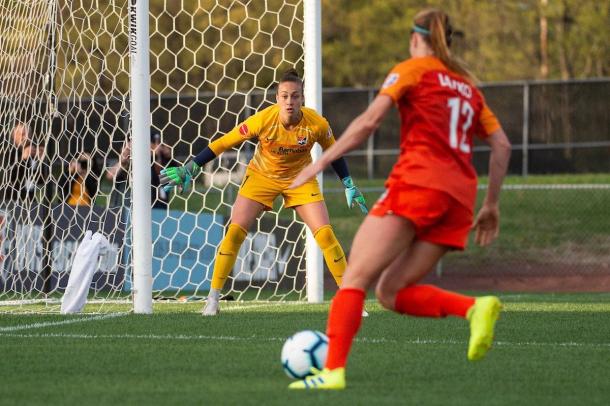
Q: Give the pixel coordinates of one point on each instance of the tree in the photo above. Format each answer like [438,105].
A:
[503,40]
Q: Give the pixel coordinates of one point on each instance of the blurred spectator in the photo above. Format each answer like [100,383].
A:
[161,156]
[78,185]
[21,164]
[118,174]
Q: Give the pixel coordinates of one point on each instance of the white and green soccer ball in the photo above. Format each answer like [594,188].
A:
[304,350]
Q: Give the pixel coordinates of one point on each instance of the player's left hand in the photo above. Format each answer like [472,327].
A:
[353,195]
[487,224]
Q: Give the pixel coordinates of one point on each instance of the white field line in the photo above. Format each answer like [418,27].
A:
[168,337]
[60,322]
[241,305]
[237,307]
[508,306]
[279,339]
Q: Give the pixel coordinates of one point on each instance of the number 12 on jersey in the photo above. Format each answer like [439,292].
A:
[459,108]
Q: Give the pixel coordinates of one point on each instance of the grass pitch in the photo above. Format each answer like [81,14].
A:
[550,349]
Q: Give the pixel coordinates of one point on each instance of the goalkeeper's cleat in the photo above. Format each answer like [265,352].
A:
[212,305]
[482,316]
[325,379]
[211,308]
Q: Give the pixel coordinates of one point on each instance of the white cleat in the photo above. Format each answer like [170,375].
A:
[365,313]
[212,307]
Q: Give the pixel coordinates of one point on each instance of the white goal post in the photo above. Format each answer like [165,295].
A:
[95,83]
[313,98]
[139,51]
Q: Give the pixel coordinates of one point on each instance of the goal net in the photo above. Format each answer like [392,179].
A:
[66,135]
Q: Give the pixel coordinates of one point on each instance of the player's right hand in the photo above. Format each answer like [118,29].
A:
[307,173]
[178,176]
[487,224]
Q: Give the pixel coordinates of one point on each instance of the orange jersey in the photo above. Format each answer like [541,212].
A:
[281,153]
[440,113]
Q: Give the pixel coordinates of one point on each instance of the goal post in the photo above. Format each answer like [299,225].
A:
[139,51]
[312,41]
[105,90]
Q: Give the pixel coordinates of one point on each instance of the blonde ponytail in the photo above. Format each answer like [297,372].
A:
[437,23]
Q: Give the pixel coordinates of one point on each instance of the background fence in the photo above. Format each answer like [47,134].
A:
[554,126]
[553,226]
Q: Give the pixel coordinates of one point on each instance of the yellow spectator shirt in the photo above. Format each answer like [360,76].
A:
[280,153]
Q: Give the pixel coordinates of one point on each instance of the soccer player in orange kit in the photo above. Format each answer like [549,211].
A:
[427,208]
[286,132]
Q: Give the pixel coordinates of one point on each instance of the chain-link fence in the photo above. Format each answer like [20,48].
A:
[554,126]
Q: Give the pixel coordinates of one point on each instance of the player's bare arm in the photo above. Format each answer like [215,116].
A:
[355,134]
[181,176]
[487,222]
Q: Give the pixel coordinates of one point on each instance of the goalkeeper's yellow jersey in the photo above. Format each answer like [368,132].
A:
[280,153]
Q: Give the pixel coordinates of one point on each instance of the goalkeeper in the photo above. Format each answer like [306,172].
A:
[286,132]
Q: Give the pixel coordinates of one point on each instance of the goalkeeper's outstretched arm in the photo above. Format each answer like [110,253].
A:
[181,176]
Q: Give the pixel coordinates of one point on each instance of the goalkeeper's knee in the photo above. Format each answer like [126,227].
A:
[325,237]
[234,237]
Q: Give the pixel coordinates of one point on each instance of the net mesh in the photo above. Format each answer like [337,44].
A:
[65,152]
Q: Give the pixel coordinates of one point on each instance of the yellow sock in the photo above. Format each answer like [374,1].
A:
[227,254]
[332,251]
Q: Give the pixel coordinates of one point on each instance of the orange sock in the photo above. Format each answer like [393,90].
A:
[430,301]
[343,324]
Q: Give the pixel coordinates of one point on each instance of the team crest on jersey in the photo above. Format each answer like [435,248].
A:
[302,140]
[243,129]
[390,80]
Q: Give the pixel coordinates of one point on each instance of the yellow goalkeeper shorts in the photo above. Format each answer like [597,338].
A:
[264,190]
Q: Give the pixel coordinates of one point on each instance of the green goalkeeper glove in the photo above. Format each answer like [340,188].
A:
[353,195]
[179,176]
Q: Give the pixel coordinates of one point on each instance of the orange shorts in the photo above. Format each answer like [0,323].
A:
[438,217]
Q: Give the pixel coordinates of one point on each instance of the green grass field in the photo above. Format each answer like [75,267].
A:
[550,349]
[551,217]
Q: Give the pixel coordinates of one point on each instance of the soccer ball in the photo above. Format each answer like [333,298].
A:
[302,351]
